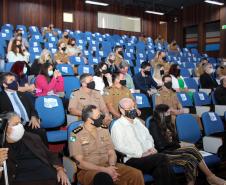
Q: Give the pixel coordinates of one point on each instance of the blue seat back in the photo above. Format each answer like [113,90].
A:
[212,123]
[191,83]
[141,100]
[201,99]
[65,69]
[187,128]
[184,99]
[70,83]
[52,115]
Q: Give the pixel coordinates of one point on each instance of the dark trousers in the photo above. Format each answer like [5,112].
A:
[156,165]
[102,179]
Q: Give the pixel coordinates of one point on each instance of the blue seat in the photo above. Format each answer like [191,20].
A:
[70,83]
[191,83]
[65,69]
[141,100]
[201,99]
[189,65]
[85,69]
[212,123]
[213,99]
[184,99]
[8,66]
[185,72]
[147,121]
[188,131]
[51,112]
[76,60]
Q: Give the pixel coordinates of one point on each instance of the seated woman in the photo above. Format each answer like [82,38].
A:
[102,77]
[207,79]
[158,74]
[110,61]
[166,141]
[29,160]
[45,57]
[61,57]
[178,83]
[18,52]
[49,82]
[21,69]
[173,47]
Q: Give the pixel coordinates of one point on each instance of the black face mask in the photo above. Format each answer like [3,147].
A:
[18,45]
[99,121]
[131,114]
[91,85]
[20,34]
[123,82]
[164,58]
[111,61]
[13,86]
[168,85]
[120,53]
[147,73]
[105,71]
[64,49]
[162,72]
[66,36]
[72,44]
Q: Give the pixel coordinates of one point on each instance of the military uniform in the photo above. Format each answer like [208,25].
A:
[80,99]
[118,59]
[63,57]
[112,95]
[95,151]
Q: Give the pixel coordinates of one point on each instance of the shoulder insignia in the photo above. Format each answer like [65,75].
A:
[77,130]
[104,126]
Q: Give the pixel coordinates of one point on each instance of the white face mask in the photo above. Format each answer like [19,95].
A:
[25,70]
[17,132]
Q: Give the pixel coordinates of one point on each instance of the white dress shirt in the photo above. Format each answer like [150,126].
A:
[15,106]
[132,139]
[99,84]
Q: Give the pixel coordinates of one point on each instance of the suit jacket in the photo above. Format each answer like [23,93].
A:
[6,105]
[207,82]
[37,147]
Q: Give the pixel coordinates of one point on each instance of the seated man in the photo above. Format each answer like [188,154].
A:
[91,146]
[29,160]
[220,92]
[143,80]
[13,100]
[132,138]
[115,93]
[87,95]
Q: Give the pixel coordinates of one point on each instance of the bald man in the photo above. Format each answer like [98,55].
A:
[133,139]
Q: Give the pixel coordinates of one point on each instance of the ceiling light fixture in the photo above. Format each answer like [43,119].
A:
[214,2]
[96,3]
[154,12]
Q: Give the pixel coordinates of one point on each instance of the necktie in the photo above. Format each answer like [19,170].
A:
[22,113]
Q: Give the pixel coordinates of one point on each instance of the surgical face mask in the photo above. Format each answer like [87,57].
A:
[91,85]
[210,70]
[50,73]
[131,114]
[13,86]
[25,70]
[123,82]
[99,121]
[17,132]
[168,85]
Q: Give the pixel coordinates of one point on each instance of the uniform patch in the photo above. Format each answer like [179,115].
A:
[77,130]
[72,139]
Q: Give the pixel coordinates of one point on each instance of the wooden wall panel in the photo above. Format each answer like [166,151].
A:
[1,12]
[223,32]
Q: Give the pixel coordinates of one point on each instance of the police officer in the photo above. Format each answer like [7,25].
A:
[167,96]
[91,146]
[112,95]
[86,95]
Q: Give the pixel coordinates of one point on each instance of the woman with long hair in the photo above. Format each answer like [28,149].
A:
[49,82]
[166,141]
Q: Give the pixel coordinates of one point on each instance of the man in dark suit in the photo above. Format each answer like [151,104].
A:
[13,100]
[29,160]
